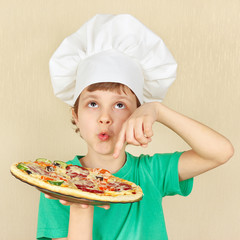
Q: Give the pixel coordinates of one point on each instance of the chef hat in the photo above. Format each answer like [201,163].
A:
[113,48]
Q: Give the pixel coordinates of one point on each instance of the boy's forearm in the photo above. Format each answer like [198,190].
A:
[80,223]
[204,141]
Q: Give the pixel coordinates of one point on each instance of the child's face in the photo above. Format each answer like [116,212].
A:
[101,115]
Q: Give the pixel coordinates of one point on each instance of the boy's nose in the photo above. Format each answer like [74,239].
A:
[105,119]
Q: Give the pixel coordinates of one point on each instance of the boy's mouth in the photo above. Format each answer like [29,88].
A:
[103,136]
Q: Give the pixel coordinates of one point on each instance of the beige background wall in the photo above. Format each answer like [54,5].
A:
[204,37]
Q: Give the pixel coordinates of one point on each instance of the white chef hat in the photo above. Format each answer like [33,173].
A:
[113,48]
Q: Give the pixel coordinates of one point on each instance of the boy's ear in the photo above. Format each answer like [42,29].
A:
[74,115]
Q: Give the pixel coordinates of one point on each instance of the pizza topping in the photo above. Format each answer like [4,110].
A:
[96,181]
[83,181]
[118,186]
[57,183]
[88,189]
[87,185]
[50,168]
[101,172]
[43,160]
[52,180]
[57,176]
[37,169]
[22,166]
[60,164]
[124,186]
[92,180]
[103,186]
[76,171]
[45,178]
[99,177]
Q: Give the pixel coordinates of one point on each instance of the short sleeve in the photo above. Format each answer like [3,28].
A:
[164,170]
[53,219]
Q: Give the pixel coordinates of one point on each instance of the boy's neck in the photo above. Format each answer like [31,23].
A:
[94,160]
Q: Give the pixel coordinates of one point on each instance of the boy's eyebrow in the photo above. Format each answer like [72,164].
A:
[89,96]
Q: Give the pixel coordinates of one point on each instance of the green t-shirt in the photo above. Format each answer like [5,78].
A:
[158,177]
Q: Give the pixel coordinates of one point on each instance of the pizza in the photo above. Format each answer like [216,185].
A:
[78,182]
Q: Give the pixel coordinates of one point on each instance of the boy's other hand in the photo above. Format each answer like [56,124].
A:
[137,130]
[66,203]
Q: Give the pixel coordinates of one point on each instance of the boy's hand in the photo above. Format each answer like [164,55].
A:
[66,203]
[137,130]
[80,219]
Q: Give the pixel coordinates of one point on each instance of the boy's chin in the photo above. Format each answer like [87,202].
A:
[104,148]
[108,148]
[104,151]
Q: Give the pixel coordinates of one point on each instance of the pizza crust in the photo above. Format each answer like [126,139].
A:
[121,197]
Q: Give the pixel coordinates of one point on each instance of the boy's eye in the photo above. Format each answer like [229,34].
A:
[119,106]
[92,105]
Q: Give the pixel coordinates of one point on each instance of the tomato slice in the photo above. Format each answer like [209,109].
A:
[46,178]
[103,171]
[43,164]
[103,188]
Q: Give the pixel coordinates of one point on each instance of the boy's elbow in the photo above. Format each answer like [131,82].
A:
[228,152]
[231,151]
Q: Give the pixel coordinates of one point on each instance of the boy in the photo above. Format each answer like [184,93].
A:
[106,110]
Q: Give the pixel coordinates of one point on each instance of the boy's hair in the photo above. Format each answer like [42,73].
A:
[104,86]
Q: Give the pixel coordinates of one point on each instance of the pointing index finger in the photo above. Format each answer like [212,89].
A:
[120,143]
